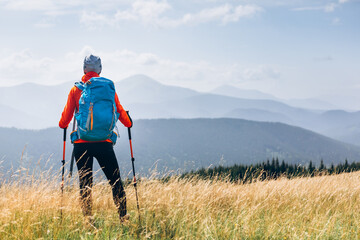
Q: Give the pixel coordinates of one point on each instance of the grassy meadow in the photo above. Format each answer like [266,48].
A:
[323,207]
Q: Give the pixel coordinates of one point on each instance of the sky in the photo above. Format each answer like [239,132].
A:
[290,49]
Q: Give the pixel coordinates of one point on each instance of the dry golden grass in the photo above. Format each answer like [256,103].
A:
[324,207]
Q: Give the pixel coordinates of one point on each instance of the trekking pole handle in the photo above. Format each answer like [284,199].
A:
[129,133]
[64,145]
[130,142]
[65,134]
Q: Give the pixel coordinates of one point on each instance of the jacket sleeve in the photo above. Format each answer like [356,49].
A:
[123,117]
[69,109]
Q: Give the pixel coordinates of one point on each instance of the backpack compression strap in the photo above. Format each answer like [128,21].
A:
[80,85]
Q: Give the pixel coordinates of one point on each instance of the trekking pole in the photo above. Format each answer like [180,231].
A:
[133,168]
[63,173]
[72,154]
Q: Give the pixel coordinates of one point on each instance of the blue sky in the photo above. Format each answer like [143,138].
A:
[291,49]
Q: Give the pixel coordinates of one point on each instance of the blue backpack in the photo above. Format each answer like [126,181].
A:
[97,115]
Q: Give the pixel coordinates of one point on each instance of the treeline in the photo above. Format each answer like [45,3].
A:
[271,170]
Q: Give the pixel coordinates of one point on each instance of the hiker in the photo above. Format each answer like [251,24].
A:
[87,146]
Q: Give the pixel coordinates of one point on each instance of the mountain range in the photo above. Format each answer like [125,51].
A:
[32,106]
[308,103]
[181,145]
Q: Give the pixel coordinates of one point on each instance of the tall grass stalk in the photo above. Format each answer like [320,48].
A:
[323,207]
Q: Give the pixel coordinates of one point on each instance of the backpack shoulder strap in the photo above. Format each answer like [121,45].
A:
[79,85]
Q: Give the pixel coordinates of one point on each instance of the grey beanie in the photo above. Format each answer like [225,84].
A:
[92,64]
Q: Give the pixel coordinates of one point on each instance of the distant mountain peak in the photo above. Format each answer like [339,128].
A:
[225,87]
[140,79]
[232,91]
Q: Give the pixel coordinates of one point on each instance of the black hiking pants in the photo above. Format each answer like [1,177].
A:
[105,155]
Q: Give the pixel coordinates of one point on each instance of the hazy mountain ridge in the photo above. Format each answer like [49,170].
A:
[142,89]
[308,103]
[39,101]
[11,117]
[259,115]
[232,91]
[185,144]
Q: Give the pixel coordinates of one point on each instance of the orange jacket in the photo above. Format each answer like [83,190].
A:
[73,103]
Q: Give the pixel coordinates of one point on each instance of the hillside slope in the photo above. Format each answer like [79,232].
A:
[187,144]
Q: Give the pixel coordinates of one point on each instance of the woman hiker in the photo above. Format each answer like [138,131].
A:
[85,149]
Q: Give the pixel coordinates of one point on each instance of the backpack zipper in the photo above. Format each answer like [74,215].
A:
[90,118]
[112,121]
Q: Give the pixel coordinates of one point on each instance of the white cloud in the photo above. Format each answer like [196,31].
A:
[149,9]
[330,7]
[154,13]
[93,20]
[46,5]
[201,75]
[45,23]
[327,8]
[206,15]
[29,5]
[61,7]
[242,11]
[224,14]
[25,66]
[97,13]
[261,72]
[307,8]
[146,12]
